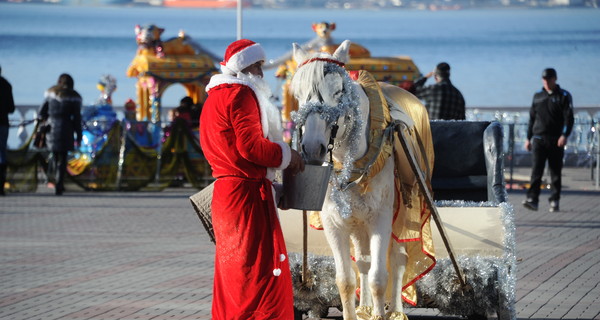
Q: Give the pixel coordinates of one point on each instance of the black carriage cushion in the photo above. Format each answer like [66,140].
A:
[460,171]
[458,148]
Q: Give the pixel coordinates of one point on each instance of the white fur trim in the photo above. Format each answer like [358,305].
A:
[227,71]
[219,79]
[266,112]
[245,58]
[286,155]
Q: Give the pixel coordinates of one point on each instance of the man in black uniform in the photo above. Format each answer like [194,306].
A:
[550,123]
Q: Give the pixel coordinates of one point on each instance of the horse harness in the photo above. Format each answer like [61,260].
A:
[381,132]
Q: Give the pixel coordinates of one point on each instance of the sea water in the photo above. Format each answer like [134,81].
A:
[496,56]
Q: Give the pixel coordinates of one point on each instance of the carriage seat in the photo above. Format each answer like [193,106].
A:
[468,161]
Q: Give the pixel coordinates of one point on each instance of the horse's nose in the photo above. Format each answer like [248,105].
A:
[314,155]
[322,151]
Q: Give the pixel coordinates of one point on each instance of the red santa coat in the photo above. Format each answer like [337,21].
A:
[252,277]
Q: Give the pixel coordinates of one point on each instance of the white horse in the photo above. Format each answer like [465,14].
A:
[334,116]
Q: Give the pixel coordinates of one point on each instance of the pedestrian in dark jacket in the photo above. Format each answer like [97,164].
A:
[62,111]
[550,124]
[7,105]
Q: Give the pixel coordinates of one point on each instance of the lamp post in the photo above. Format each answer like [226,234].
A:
[239,19]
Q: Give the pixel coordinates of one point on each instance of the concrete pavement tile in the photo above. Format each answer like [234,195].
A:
[138,255]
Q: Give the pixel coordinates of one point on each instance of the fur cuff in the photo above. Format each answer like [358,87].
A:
[286,155]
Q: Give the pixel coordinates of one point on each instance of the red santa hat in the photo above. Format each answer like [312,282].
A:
[240,55]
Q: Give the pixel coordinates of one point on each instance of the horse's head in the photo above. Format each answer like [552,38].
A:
[327,99]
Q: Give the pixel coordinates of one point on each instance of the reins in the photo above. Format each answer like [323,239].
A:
[331,144]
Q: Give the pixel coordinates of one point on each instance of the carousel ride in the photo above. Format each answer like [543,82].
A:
[138,151]
[159,64]
[141,152]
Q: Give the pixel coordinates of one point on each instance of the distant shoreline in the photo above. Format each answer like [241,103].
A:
[416,5]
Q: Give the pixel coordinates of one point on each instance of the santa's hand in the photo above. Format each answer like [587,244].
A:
[296,163]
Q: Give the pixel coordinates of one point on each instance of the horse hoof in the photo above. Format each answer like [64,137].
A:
[364,312]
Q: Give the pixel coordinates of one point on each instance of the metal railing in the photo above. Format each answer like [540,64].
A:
[582,149]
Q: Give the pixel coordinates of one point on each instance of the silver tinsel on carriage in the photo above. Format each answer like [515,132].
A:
[482,233]
[490,275]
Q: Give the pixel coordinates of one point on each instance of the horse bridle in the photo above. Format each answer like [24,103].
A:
[320,107]
[333,128]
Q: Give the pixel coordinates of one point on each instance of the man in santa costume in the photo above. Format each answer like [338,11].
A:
[242,140]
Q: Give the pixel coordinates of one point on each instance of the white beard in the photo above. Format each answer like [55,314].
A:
[263,93]
[267,110]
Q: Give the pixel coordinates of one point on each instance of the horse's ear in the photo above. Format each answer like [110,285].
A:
[300,55]
[341,53]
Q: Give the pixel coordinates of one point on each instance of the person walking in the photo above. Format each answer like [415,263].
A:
[7,106]
[62,111]
[242,139]
[550,124]
[442,99]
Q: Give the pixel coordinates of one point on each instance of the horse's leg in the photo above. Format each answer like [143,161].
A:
[378,275]
[362,256]
[397,259]
[345,278]
[397,256]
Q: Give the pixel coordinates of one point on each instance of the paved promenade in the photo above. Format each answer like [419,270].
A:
[144,255]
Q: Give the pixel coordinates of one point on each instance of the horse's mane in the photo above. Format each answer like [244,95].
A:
[310,73]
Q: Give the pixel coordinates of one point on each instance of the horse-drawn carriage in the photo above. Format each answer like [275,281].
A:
[382,207]
[380,198]
[471,201]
